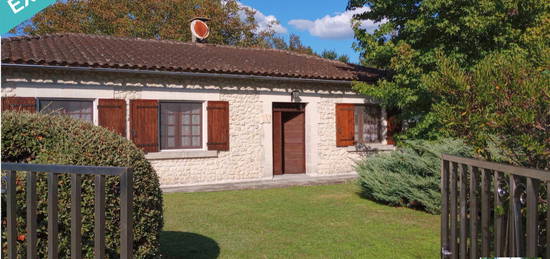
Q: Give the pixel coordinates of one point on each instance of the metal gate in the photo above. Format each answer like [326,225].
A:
[52,172]
[490,209]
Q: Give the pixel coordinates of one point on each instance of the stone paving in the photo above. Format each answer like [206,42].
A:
[277,182]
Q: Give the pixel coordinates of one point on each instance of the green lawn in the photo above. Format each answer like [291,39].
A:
[298,222]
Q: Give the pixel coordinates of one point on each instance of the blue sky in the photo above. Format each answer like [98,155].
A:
[321,24]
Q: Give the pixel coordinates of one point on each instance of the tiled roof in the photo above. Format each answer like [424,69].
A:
[82,50]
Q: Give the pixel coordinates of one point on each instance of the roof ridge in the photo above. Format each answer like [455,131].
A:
[24,37]
[62,34]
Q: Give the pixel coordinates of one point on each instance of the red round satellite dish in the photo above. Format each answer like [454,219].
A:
[199,29]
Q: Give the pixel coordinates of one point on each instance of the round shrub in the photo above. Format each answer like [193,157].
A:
[409,176]
[49,139]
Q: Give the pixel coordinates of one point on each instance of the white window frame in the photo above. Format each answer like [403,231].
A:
[202,125]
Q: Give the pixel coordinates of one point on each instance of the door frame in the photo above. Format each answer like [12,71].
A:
[280,108]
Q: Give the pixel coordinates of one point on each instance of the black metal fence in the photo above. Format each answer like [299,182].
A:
[52,171]
[491,209]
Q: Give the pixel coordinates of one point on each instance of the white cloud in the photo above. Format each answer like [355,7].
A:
[265,21]
[334,27]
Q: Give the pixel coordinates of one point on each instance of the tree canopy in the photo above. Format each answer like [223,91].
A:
[231,23]
[501,104]
[333,55]
[413,32]
[344,58]
[330,54]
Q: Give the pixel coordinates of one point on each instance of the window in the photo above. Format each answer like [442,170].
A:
[368,124]
[78,109]
[181,125]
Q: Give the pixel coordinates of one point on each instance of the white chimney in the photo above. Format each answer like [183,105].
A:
[199,29]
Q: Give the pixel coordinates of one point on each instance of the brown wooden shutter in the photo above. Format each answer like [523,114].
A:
[19,104]
[112,115]
[345,131]
[218,125]
[144,124]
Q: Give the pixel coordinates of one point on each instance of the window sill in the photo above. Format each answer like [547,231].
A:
[371,148]
[181,154]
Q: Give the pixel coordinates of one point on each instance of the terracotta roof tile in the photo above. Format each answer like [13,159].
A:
[83,50]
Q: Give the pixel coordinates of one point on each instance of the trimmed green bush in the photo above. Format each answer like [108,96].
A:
[409,176]
[48,139]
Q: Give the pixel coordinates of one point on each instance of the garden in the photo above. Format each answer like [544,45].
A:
[313,221]
[467,79]
[331,221]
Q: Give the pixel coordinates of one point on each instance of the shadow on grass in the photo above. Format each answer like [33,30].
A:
[175,244]
[404,203]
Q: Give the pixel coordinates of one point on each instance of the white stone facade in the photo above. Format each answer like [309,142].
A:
[250,109]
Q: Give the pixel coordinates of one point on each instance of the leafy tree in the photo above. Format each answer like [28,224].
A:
[332,55]
[329,54]
[344,58]
[230,23]
[502,102]
[413,31]
[277,42]
[295,44]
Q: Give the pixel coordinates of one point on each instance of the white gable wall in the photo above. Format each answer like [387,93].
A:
[250,102]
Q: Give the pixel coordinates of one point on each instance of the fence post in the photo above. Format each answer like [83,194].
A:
[532,192]
[474,222]
[498,221]
[485,212]
[453,245]
[76,217]
[444,208]
[11,217]
[31,215]
[517,235]
[99,217]
[126,220]
[463,205]
[52,216]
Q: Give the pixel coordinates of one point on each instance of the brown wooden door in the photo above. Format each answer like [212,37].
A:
[288,138]
[294,148]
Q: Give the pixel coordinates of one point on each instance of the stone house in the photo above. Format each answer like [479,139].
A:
[202,113]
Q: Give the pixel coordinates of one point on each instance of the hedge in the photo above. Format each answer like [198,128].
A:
[409,176]
[50,139]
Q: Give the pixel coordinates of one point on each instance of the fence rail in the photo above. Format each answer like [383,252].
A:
[52,171]
[474,191]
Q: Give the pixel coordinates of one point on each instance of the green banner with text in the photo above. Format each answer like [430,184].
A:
[14,12]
